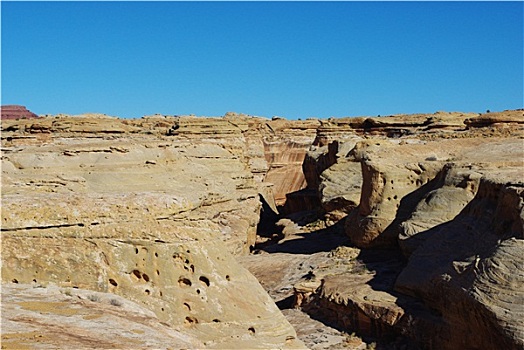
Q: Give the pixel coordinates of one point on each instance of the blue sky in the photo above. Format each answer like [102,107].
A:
[292,59]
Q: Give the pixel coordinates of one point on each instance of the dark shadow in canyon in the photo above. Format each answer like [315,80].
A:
[323,240]
[299,201]
[286,303]
[268,218]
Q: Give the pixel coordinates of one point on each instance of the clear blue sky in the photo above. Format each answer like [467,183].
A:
[292,59]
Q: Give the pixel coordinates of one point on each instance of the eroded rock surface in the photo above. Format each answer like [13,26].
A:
[405,231]
[443,190]
[135,209]
[36,317]
[474,262]
[16,112]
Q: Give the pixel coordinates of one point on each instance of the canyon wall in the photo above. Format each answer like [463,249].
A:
[446,191]
[151,209]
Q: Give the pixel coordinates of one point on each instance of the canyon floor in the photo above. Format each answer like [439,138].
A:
[294,262]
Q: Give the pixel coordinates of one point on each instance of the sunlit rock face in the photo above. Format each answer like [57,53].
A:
[474,262]
[16,112]
[134,208]
[407,215]
[445,191]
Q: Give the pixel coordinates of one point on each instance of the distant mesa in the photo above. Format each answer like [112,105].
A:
[17,112]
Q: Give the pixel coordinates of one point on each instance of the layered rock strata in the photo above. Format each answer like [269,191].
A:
[130,208]
[152,209]
[16,112]
[452,203]
[474,262]
[37,317]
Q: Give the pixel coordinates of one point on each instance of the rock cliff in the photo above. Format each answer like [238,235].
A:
[146,209]
[16,112]
[446,192]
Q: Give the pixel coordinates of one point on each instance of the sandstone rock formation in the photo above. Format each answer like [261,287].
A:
[406,230]
[335,177]
[129,208]
[16,112]
[474,262]
[42,318]
[447,190]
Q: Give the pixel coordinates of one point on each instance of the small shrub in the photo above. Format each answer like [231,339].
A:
[115,302]
[93,298]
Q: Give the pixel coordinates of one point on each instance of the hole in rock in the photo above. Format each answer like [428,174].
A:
[186,305]
[34,280]
[162,309]
[184,282]
[137,274]
[198,291]
[160,293]
[113,282]
[148,292]
[192,267]
[157,272]
[14,280]
[190,320]
[145,277]
[216,320]
[251,330]
[156,254]
[204,280]
[228,278]
[136,250]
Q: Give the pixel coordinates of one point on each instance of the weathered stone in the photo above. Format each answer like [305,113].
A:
[16,112]
[151,209]
[37,317]
[474,262]
[151,217]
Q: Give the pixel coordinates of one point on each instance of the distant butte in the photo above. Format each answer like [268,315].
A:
[17,112]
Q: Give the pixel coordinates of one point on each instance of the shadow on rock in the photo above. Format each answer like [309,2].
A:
[322,240]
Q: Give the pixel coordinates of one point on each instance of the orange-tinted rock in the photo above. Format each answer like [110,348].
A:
[17,112]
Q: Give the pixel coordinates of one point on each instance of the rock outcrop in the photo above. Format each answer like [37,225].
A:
[474,262]
[37,317]
[408,228]
[446,191]
[133,209]
[16,112]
